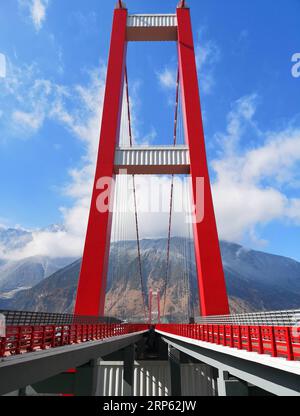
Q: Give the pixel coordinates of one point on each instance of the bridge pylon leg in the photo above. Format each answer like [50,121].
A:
[92,281]
[211,280]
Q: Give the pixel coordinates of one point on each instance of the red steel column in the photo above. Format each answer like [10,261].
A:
[92,282]
[211,281]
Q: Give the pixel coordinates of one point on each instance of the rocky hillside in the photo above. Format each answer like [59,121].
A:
[255,281]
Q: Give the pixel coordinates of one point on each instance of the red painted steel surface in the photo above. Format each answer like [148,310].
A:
[278,341]
[92,282]
[211,281]
[25,339]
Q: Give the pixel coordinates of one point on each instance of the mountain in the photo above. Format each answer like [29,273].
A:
[53,294]
[13,238]
[255,281]
[266,281]
[24,274]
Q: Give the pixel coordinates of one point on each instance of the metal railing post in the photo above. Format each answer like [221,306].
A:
[260,341]
[289,347]
[273,342]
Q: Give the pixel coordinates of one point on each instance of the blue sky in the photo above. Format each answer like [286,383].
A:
[50,107]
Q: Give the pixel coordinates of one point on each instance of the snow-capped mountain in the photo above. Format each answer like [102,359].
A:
[16,275]
[26,273]
[13,239]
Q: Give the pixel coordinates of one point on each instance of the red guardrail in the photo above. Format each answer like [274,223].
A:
[278,341]
[24,339]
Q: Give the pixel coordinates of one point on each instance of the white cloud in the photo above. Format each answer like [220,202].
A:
[30,100]
[37,10]
[239,119]
[27,100]
[167,78]
[277,158]
[32,121]
[208,55]
[148,138]
[293,211]
[248,189]
[2,65]
[79,109]
[241,206]
[83,123]
[250,179]
[207,52]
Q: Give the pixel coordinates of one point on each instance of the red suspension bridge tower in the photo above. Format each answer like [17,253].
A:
[152,313]
[111,158]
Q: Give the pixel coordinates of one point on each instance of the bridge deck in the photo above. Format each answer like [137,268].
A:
[275,362]
[278,341]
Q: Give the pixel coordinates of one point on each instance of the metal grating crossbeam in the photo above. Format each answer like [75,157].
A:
[160,160]
[154,27]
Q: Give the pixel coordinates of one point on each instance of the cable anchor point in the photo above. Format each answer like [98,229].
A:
[120,5]
[182,4]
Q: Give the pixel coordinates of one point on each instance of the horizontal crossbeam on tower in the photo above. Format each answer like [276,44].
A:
[160,160]
[154,27]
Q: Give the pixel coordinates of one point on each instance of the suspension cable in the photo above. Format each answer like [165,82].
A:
[171,196]
[176,110]
[135,199]
[128,108]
